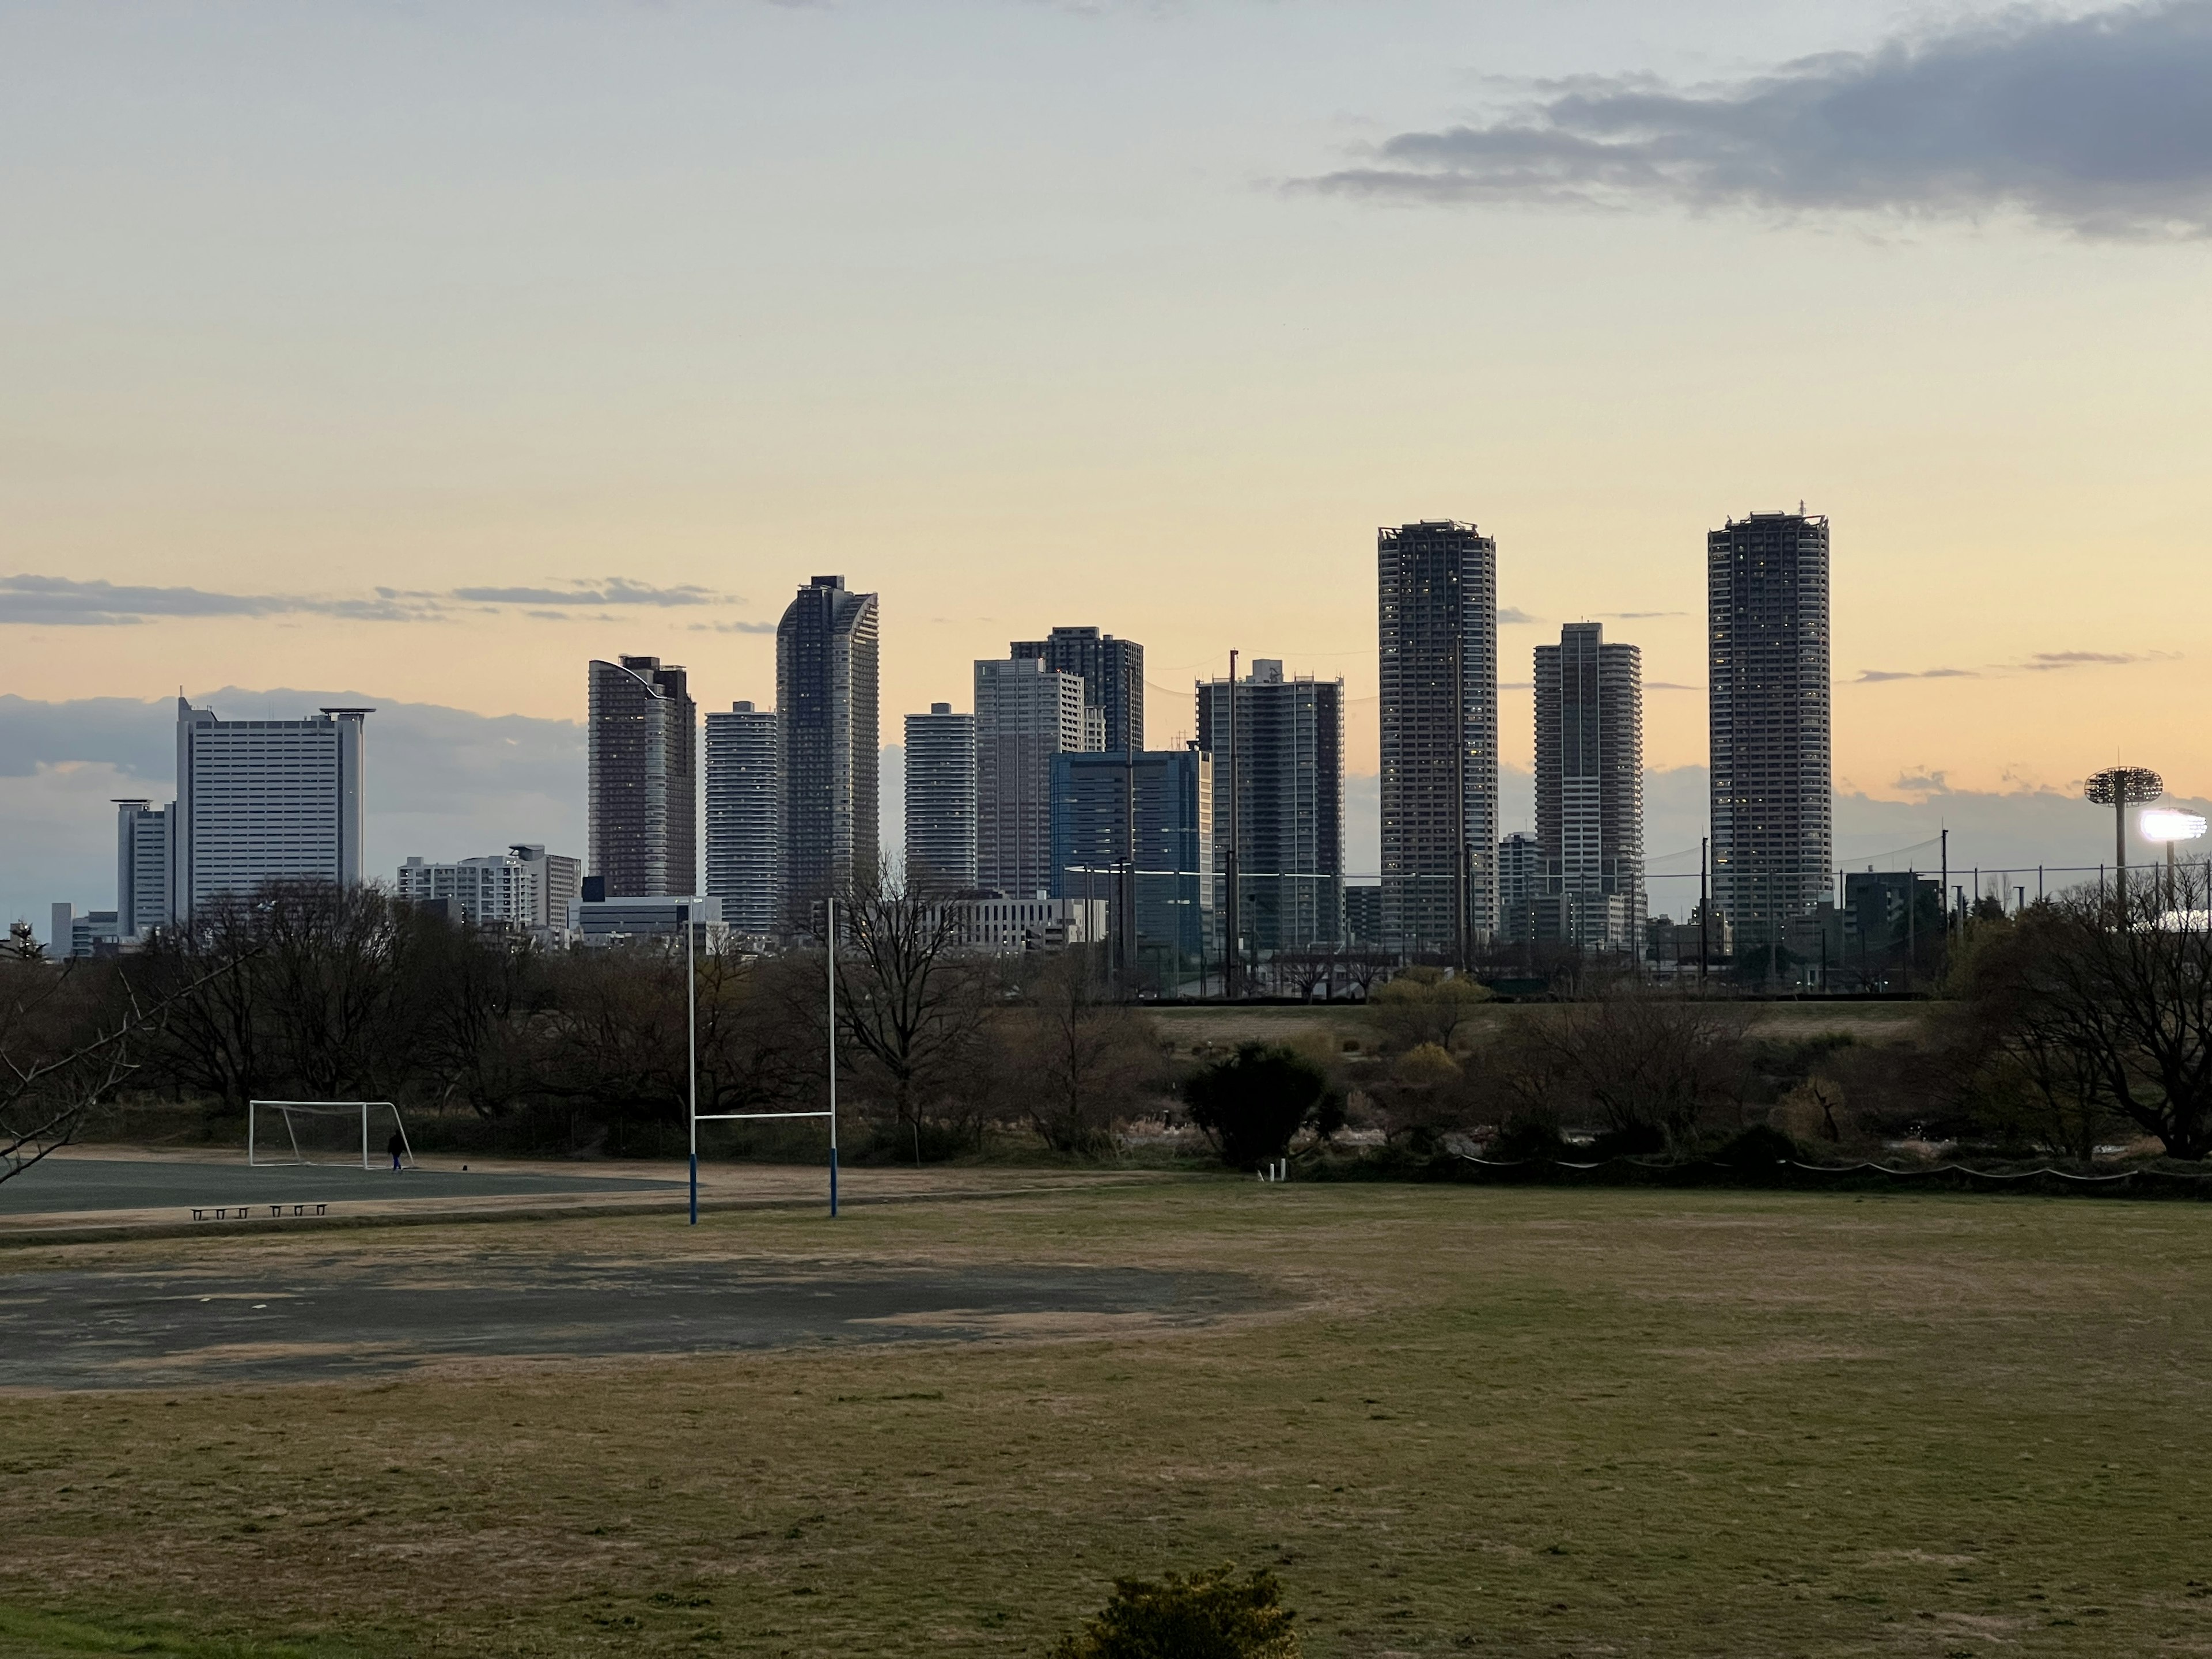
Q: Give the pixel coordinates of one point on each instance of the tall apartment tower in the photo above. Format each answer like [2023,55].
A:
[1025,713]
[1135,830]
[1113,675]
[1589,790]
[1520,880]
[940,800]
[265,800]
[825,690]
[1437,588]
[644,803]
[1766,584]
[1286,754]
[143,856]
[743,808]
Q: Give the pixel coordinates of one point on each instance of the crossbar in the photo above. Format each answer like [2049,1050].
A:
[752,1117]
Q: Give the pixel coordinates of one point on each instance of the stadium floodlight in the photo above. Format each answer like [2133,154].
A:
[322,1131]
[2120,787]
[2165,824]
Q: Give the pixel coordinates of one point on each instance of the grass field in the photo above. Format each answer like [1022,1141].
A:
[1518,1422]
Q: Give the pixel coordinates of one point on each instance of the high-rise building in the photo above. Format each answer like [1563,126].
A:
[825,693]
[142,857]
[499,891]
[744,817]
[644,801]
[1113,675]
[1025,713]
[560,881]
[1520,879]
[1285,751]
[84,932]
[1158,888]
[1437,615]
[1766,584]
[1363,913]
[265,800]
[1589,789]
[940,800]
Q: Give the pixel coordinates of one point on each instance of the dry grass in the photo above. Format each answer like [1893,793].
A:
[1535,1423]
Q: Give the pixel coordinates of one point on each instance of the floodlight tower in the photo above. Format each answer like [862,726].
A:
[2120,787]
[2162,824]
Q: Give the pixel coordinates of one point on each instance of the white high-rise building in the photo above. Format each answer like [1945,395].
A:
[265,800]
[940,800]
[743,808]
[1025,713]
[499,890]
[142,857]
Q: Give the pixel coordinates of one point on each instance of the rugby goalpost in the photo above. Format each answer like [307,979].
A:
[697,1117]
[328,1125]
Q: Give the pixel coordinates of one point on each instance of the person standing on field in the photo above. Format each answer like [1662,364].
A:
[395,1146]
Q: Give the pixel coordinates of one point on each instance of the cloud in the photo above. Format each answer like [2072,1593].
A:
[1879,676]
[1637,616]
[1669,685]
[733,628]
[1510,614]
[58,601]
[2044,661]
[614,590]
[2095,125]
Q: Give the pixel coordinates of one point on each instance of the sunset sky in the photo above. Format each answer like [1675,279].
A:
[428,351]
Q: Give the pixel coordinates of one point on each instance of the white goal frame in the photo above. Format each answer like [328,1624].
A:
[321,1108]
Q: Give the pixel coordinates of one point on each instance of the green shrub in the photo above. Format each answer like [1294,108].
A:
[1252,1103]
[1206,1616]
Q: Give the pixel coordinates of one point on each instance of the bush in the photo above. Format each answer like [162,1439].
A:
[1252,1103]
[1207,1616]
[1759,1148]
[1633,1141]
[1529,1136]
[1422,1006]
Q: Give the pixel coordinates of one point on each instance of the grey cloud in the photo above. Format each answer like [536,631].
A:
[2097,126]
[2043,661]
[1879,676]
[58,601]
[1669,685]
[1510,614]
[733,628]
[1637,616]
[614,590]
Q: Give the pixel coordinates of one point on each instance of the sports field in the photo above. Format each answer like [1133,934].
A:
[1523,1422]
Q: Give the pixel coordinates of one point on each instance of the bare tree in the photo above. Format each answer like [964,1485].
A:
[68,1041]
[907,1001]
[1646,1061]
[1075,1058]
[2104,999]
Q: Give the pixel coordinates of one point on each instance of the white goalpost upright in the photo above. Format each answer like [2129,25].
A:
[329,1125]
[697,1117]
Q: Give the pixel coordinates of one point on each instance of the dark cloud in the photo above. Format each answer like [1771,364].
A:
[2097,126]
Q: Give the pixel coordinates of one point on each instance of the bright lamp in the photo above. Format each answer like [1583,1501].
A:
[2162,824]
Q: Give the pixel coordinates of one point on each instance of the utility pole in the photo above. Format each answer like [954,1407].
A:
[1944,886]
[1461,852]
[1127,918]
[1705,911]
[1232,952]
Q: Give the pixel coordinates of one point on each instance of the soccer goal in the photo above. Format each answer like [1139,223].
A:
[348,1132]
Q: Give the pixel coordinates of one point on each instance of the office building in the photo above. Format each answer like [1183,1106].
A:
[1279,793]
[142,857]
[940,800]
[599,923]
[644,800]
[501,890]
[743,819]
[1519,876]
[83,934]
[1438,621]
[265,800]
[560,882]
[1362,913]
[1113,675]
[1589,790]
[825,691]
[1005,924]
[1159,886]
[1025,713]
[1767,621]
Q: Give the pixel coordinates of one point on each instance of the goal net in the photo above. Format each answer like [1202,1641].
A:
[359,1134]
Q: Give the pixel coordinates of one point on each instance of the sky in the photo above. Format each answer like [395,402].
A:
[428,352]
